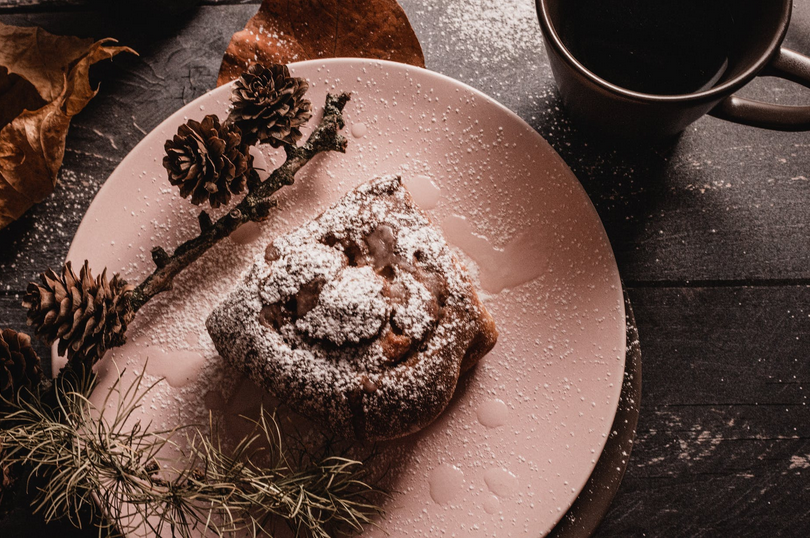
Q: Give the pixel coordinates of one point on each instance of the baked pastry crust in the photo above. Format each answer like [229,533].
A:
[362,319]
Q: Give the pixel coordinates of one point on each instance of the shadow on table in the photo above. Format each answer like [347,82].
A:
[23,523]
[625,181]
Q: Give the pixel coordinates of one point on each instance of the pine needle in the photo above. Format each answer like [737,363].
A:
[83,463]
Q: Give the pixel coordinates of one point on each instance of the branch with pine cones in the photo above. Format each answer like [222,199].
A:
[210,162]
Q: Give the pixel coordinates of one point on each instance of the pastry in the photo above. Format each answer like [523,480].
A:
[362,319]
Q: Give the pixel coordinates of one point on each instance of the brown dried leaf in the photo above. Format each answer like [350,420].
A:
[284,32]
[44,82]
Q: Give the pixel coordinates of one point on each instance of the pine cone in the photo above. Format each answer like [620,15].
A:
[19,365]
[87,315]
[269,105]
[208,161]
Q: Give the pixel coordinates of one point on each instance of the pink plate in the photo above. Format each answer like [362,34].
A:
[522,435]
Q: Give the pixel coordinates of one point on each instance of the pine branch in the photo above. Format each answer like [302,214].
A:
[255,206]
[86,465]
[211,163]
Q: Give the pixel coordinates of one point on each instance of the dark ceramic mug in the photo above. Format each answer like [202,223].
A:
[728,42]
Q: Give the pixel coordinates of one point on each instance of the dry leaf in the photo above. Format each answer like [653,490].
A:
[44,82]
[284,32]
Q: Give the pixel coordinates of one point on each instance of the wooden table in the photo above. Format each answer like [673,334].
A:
[710,232]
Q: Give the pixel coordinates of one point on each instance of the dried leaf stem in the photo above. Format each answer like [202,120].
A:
[255,206]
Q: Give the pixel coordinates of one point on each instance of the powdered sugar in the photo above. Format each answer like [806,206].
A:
[413,316]
[350,308]
[494,32]
[298,265]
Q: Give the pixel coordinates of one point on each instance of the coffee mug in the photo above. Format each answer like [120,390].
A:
[648,68]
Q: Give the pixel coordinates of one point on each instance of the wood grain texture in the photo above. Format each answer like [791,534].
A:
[723,441]
[710,232]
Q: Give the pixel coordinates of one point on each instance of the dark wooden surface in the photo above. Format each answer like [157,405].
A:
[710,232]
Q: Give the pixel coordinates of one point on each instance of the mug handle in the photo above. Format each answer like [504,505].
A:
[787,64]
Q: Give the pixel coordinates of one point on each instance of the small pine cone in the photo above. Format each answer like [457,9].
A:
[208,161]
[87,315]
[19,365]
[269,105]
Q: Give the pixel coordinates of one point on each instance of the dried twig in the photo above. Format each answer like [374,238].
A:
[255,206]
